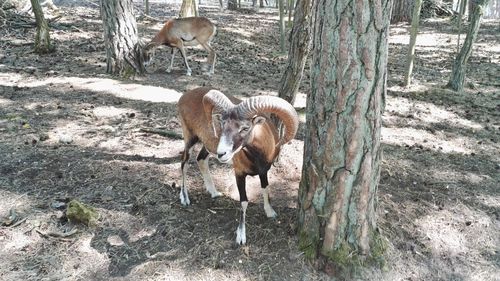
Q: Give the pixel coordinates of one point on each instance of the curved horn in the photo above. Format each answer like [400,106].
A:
[215,99]
[269,104]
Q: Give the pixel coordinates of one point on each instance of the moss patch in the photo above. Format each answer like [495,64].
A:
[378,245]
[308,244]
[79,212]
[348,262]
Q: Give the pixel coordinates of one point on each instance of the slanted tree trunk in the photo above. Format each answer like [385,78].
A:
[123,51]
[413,39]
[297,52]
[340,173]
[42,37]
[232,5]
[457,78]
[282,25]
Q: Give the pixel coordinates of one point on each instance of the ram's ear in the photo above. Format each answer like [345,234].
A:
[216,122]
[258,120]
[217,118]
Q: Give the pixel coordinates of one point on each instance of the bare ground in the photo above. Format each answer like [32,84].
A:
[69,131]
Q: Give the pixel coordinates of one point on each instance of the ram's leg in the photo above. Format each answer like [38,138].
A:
[188,146]
[270,213]
[241,237]
[207,179]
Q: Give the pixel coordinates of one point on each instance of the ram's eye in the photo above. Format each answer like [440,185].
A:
[244,129]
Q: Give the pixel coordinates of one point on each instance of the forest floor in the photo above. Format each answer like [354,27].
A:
[70,131]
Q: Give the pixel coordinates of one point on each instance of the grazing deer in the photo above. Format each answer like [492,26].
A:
[181,32]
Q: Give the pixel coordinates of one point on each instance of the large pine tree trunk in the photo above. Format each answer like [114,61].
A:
[42,38]
[123,51]
[457,78]
[337,194]
[297,52]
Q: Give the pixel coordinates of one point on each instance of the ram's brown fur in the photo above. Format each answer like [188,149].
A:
[244,134]
[194,123]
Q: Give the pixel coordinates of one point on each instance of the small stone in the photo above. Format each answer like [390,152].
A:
[64,138]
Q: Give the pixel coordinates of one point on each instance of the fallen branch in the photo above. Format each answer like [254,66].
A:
[151,18]
[163,133]
[92,3]
[19,222]
[57,234]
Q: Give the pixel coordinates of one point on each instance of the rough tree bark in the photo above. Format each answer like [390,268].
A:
[123,51]
[340,174]
[298,51]
[42,37]
[457,78]
[413,39]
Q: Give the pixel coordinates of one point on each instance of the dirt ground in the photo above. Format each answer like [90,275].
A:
[69,131]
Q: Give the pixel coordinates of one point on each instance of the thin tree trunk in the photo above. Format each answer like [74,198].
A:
[401,11]
[42,38]
[232,5]
[290,9]
[298,51]
[195,8]
[461,12]
[457,78]
[123,51]
[282,26]
[337,193]
[146,8]
[261,3]
[413,39]
[470,10]
[188,9]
